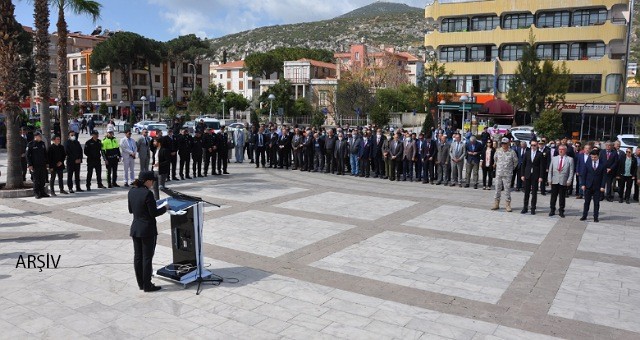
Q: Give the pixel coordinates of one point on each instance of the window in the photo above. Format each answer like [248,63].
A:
[228,74]
[74,63]
[517,20]
[503,82]
[613,83]
[453,54]
[482,83]
[553,51]
[485,23]
[158,94]
[157,78]
[229,85]
[173,64]
[454,25]
[584,51]
[75,80]
[483,53]
[76,96]
[554,19]
[103,94]
[357,56]
[114,96]
[241,74]
[103,79]
[241,85]
[585,83]
[512,52]
[589,17]
[322,98]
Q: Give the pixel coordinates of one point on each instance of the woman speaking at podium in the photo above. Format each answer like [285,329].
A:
[144,231]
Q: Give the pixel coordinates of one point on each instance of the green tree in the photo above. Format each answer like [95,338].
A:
[119,52]
[428,124]
[166,102]
[261,64]
[186,47]
[43,75]
[317,119]
[78,7]
[199,101]
[283,93]
[353,96]
[103,110]
[379,114]
[254,118]
[172,112]
[236,101]
[535,88]
[153,52]
[435,83]
[301,107]
[550,124]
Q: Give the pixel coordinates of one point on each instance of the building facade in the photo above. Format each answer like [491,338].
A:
[233,78]
[482,41]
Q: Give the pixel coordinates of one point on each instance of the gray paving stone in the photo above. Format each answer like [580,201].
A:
[611,239]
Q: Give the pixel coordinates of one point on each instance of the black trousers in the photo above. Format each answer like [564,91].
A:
[339,165]
[624,187]
[608,191]
[418,165]
[516,181]
[222,161]
[185,159]
[590,194]
[427,170]
[174,165]
[329,162]
[56,172]
[308,159]
[73,169]
[558,190]
[318,161]
[273,156]
[636,189]
[298,161]
[250,151]
[23,166]
[487,176]
[378,164]
[39,177]
[530,190]
[284,158]
[112,171]
[260,155]
[197,164]
[364,167]
[143,250]
[91,167]
[210,158]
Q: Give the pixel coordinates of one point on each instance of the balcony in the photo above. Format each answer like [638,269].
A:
[602,66]
[473,67]
[498,36]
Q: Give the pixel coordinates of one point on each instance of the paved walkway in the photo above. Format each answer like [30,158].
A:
[322,256]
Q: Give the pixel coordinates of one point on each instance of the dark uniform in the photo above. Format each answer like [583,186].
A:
[37,159]
[210,144]
[223,152]
[56,156]
[23,154]
[185,144]
[93,150]
[74,159]
[284,151]
[172,146]
[272,149]
[144,232]
[111,155]
[196,154]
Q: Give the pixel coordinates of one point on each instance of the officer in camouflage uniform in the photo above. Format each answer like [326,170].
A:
[506,161]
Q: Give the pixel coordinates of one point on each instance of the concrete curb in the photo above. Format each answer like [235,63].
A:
[17,193]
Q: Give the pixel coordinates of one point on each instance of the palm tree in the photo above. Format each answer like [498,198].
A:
[10,87]
[89,7]
[43,75]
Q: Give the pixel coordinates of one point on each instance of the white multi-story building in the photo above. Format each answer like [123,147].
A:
[234,78]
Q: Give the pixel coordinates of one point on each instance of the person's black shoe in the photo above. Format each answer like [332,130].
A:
[627,201]
[110,186]
[257,166]
[226,173]
[38,197]
[126,185]
[475,186]
[466,185]
[189,177]
[579,197]
[53,194]
[533,211]
[583,218]
[64,192]
[100,186]
[620,200]
[79,190]
[595,219]
[561,214]
[88,188]
[552,213]
[152,288]
[45,195]
[115,185]
[71,191]
[174,178]
[524,211]
[543,193]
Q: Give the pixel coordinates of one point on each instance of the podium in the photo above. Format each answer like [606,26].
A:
[187,221]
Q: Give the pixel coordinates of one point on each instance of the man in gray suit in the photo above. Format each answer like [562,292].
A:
[442,160]
[560,177]
[396,151]
[239,139]
[456,152]
[144,150]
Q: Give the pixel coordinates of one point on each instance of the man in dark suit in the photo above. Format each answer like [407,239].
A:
[284,150]
[428,154]
[223,151]
[593,184]
[329,151]
[340,153]
[582,160]
[531,172]
[376,153]
[396,150]
[364,155]
[609,157]
[144,230]
[172,144]
[260,140]
[520,150]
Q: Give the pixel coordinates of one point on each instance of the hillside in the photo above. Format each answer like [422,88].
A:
[391,24]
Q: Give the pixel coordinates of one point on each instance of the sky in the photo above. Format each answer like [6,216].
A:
[166,19]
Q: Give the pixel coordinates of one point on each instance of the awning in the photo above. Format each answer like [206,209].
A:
[497,107]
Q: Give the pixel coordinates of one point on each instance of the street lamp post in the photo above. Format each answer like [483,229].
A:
[143,98]
[441,113]
[271,98]
[223,101]
[464,99]
[120,109]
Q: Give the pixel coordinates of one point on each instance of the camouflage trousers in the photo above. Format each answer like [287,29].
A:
[503,182]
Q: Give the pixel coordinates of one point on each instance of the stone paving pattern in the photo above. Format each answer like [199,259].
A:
[320,256]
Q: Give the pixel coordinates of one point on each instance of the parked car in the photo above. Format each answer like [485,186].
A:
[522,133]
[155,127]
[191,126]
[209,122]
[98,119]
[139,126]
[629,141]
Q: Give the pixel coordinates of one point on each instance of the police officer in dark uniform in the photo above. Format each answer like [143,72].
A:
[223,151]
[56,156]
[172,145]
[209,142]
[92,149]
[144,230]
[37,164]
[185,144]
[196,154]
[74,158]
[23,154]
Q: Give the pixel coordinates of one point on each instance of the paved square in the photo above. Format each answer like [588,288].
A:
[348,205]
[79,198]
[486,223]
[601,293]
[471,271]
[244,192]
[611,239]
[19,221]
[266,233]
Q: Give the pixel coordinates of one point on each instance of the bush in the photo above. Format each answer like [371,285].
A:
[549,124]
